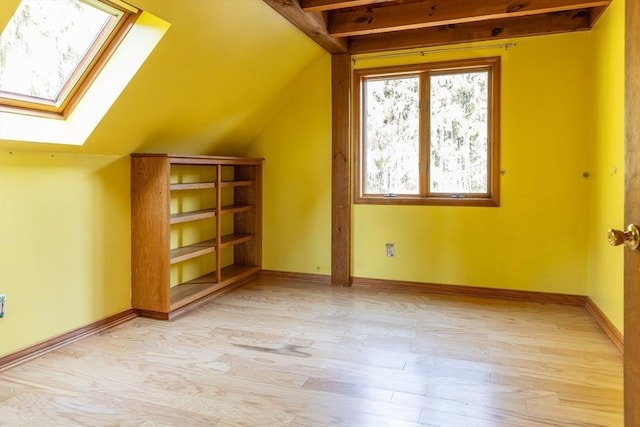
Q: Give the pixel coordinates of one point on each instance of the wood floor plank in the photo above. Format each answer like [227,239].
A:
[349,389]
[280,352]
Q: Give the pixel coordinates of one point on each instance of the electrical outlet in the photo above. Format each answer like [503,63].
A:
[391,249]
[3,301]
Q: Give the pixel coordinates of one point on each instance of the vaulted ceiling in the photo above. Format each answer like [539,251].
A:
[210,88]
[363,26]
[207,88]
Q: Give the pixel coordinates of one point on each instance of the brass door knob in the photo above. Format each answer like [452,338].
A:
[629,238]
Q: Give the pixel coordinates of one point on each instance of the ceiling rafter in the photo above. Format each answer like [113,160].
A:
[553,23]
[358,26]
[312,24]
[413,16]
[324,5]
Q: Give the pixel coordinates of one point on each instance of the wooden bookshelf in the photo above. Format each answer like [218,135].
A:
[170,207]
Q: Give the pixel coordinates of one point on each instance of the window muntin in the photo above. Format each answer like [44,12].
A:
[434,141]
[50,48]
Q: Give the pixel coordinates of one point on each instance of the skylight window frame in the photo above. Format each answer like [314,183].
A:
[85,72]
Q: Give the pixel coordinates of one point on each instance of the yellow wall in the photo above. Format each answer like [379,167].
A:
[606,164]
[297,175]
[65,236]
[535,240]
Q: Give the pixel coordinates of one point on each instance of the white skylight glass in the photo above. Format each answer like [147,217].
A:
[49,46]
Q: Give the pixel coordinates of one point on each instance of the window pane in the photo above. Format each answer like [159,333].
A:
[390,140]
[458,130]
[44,42]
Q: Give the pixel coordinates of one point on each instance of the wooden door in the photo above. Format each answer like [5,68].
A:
[632,215]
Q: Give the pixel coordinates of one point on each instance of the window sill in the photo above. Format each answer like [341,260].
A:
[429,201]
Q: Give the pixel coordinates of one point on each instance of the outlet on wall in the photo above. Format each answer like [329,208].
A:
[391,249]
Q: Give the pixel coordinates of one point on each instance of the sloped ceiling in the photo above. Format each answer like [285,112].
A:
[210,86]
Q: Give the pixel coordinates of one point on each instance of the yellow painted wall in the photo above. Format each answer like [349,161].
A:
[65,237]
[65,220]
[606,164]
[297,175]
[535,240]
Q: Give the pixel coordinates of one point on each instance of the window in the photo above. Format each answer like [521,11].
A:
[50,51]
[428,134]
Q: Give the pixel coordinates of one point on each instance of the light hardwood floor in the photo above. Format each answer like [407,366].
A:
[289,353]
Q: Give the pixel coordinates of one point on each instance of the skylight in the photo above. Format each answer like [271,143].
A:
[51,49]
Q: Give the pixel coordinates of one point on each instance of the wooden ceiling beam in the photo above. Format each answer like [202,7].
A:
[412,16]
[312,24]
[324,5]
[550,23]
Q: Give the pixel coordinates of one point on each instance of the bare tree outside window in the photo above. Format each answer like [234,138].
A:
[391,136]
[458,133]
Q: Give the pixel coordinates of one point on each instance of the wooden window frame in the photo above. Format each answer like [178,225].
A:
[492,197]
[83,76]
